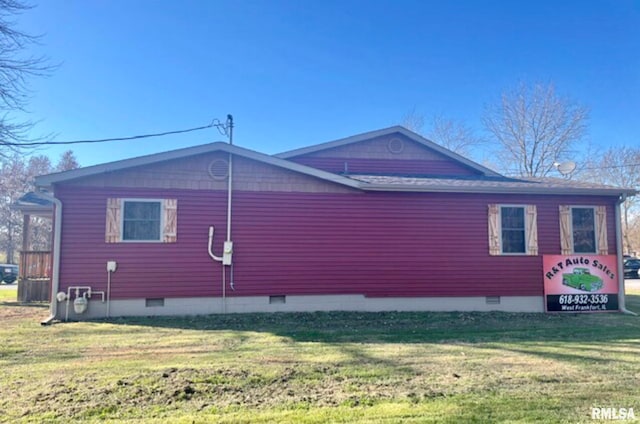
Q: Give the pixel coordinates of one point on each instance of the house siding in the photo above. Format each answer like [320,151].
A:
[409,167]
[192,173]
[376,244]
[375,156]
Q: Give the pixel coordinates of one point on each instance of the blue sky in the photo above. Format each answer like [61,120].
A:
[295,73]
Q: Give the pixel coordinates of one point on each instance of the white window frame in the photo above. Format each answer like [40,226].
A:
[161,222]
[595,229]
[526,233]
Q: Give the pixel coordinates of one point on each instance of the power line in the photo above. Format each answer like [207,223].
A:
[612,166]
[589,168]
[214,123]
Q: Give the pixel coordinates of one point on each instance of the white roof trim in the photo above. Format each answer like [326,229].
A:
[48,180]
[498,190]
[388,131]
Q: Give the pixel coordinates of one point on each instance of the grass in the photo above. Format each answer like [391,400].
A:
[318,367]
[9,295]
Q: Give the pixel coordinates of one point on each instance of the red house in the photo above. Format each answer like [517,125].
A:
[385,220]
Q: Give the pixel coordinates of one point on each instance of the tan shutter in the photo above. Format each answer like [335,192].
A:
[601,230]
[531,222]
[112,233]
[566,239]
[494,230]
[170,211]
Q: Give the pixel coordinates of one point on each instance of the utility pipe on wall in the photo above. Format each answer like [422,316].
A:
[55,273]
[227,254]
[218,259]
[229,244]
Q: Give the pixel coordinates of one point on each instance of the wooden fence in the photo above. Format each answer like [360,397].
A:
[35,265]
[34,277]
[33,291]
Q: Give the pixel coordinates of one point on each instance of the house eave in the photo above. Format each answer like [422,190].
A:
[498,190]
[47,181]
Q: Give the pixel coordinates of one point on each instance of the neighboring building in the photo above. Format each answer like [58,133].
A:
[385,220]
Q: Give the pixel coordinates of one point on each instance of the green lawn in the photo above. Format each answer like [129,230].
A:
[318,367]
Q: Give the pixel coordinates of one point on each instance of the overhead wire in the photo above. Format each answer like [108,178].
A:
[214,123]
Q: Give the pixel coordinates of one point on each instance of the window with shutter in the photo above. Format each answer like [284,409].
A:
[566,241]
[583,229]
[513,230]
[532,230]
[494,225]
[601,230]
[141,220]
[112,233]
[170,231]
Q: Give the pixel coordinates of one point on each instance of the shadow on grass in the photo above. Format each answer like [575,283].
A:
[414,327]
[38,305]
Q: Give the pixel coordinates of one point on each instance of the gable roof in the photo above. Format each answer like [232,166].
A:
[489,182]
[48,180]
[388,131]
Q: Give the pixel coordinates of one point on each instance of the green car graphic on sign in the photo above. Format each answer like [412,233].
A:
[582,279]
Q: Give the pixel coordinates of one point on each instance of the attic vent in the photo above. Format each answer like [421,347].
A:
[395,145]
[219,169]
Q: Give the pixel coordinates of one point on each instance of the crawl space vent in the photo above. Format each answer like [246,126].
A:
[493,300]
[277,299]
[219,169]
[153,302]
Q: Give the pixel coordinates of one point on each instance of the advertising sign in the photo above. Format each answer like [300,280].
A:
[580,283]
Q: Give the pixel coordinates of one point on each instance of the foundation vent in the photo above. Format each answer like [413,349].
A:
[277,299]
[151,302]
[493,300]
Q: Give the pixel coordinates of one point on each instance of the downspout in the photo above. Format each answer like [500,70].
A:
[55,274]
[621,293]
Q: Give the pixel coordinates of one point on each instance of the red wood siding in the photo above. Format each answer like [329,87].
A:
[386,166]
[377,244]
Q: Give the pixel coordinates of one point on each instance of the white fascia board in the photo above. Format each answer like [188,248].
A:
[497,190]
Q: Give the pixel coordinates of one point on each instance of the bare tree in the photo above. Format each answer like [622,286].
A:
[454,135]
[67,162]
[413,120]
[620,167]
[533,128]
[633,234]
[16,178]
[451,134]
[16,68]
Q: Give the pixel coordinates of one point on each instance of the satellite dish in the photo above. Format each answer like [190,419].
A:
[565,168]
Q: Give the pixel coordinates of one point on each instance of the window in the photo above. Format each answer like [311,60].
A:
[583,225]
[583,229]
[513,230]
[141,220]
